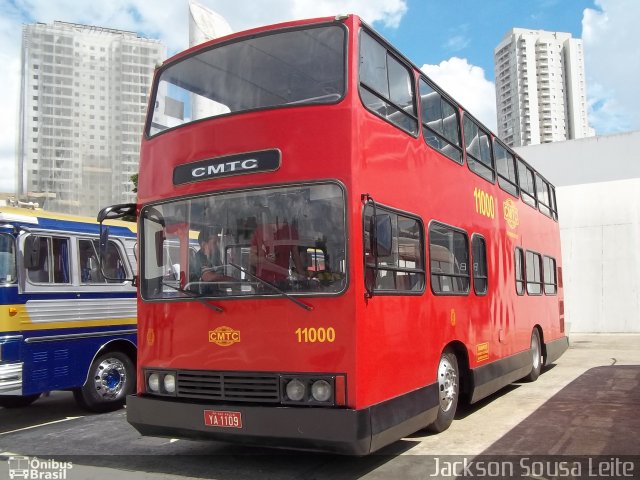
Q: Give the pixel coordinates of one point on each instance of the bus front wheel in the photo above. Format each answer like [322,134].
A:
[17,401]
[111,378]
[448,391]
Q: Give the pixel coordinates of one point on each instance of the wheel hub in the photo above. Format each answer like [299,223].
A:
[447,384]
[109,378]
[535,351]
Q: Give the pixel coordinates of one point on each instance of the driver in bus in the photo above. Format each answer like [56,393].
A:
[207,259]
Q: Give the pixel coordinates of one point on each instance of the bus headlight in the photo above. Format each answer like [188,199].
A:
[154,382]
[170,383]
[321,391]
[295,390]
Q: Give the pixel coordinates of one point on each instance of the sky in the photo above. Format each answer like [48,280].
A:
[452,41]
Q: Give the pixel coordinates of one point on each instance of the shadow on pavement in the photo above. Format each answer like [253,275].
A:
[596,414]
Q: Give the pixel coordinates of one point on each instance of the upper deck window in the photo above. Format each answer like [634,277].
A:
[440,120]
[544,197]
[527,184]
[386,85]
[506,167]
[292,67]
[478,149]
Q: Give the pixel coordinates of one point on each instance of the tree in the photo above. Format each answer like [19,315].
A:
[134,179]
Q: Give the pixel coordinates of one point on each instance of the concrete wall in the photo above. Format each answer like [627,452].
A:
[598,191]
[600,234]
[588,160]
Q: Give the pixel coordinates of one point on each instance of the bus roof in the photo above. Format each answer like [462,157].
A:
[62,221]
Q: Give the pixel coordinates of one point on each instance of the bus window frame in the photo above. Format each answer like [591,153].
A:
[501,178]
[554,201]
[12,239]
[383,292]
[519,251]
[531,197]
[539,283]
[467,292]
[554,282]
[158,73]
[443,97]
[544,208]
[486,266]
[490,136]
[70,265]
[124,259]
[390,50]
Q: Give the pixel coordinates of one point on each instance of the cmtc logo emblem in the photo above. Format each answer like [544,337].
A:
[510,212]
[212,168]
[224,336]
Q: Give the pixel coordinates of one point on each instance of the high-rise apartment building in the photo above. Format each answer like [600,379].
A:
[82,108]
[540,88]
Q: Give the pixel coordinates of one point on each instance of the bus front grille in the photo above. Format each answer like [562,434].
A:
[229,386]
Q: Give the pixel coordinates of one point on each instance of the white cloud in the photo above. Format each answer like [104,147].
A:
[242,15]
[612,65]
[468,85]
[166,20]
[457,43]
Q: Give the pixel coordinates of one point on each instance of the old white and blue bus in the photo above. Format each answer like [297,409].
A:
[67,320]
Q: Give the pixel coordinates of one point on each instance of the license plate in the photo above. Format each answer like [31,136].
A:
[217,418]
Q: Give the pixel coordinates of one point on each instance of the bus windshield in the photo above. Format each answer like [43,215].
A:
[293,67]
[259,242]
[7,259]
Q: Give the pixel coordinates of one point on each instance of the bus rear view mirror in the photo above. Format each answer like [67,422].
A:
[383,236]
[32,252]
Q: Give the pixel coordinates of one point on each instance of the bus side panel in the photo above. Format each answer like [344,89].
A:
[63,364]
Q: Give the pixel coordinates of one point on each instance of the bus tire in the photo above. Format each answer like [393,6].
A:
[448,391]
[111,378]
[536,357]
[17,401]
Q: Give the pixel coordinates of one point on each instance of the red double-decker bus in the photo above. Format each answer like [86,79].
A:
[333,251]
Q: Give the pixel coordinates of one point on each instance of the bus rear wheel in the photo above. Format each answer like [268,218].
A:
[536,357]
[17,401]
[448,391]
[111,378]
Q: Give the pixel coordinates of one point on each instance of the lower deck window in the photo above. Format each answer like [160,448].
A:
[402,270]
[550,277]
[449,260]
[534,273]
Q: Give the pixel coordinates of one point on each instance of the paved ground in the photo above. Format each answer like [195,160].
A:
[587,405]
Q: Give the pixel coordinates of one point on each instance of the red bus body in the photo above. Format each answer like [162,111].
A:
[382,350]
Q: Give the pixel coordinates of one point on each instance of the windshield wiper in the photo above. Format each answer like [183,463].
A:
[274,288]
[202,300]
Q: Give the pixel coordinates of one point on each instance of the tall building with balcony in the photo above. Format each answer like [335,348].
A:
[540,88]
[82,108]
